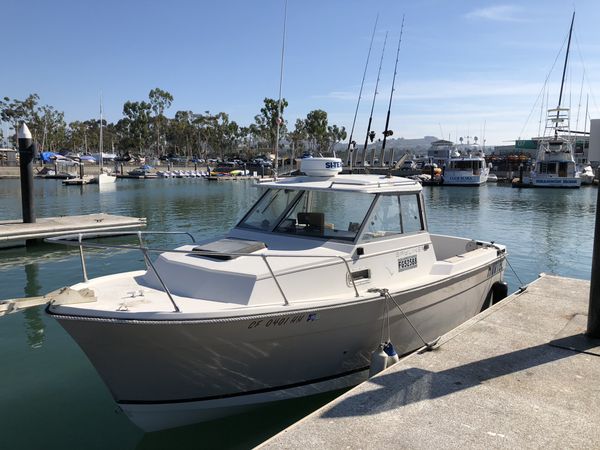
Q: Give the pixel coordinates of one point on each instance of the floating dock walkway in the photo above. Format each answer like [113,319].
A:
[15,233]
[518,375]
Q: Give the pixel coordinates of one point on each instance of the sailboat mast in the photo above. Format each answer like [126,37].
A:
[562,83]
[350,156]
[101,146]
[387,120]
[373,105]
[585,120]
[279,120]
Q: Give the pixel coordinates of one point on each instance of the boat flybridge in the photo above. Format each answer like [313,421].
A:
[291,302]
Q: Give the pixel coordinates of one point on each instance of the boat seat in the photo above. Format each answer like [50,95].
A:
[314,222]
[229,245]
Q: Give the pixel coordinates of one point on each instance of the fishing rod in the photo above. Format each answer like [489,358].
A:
[349,158]
[279,119]
[372,107]
[387,120]
[563,77]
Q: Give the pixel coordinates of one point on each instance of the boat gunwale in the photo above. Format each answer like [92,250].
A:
[301,309]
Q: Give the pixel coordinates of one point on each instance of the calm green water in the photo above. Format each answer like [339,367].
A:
[51,397]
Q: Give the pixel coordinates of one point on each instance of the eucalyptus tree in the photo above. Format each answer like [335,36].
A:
[335,134]
[316,129]
[223,134]
[50,127]
[136,122]
[205,128]
[76,136]
[159,101]
[15,111]
[177,133]
[298,137]
[266,122]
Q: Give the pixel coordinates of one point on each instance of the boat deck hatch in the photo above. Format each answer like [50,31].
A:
[224,247]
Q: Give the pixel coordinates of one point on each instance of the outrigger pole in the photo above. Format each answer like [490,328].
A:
[373,106]
[279,120]
[562,83]
[350,157]
[387,120]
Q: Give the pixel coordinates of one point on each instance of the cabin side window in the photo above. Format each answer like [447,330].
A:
[394,215]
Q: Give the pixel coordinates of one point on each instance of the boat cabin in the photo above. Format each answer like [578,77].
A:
[474,166]
[345,208]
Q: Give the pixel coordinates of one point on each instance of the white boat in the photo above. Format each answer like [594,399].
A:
[555,165]
[466,165]
[290,302]
[587,175]
[492,178]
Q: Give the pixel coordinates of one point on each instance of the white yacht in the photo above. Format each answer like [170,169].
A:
[555,165]
[291,302]
[466,165]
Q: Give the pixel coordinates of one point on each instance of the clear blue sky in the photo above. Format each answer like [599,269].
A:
[462,63]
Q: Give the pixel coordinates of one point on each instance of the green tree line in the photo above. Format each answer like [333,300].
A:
[145,130]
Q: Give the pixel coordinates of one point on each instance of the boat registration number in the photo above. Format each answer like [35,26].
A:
[282,321]
[496,268]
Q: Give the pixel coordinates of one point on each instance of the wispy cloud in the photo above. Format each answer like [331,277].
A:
[499,13]
[444,89]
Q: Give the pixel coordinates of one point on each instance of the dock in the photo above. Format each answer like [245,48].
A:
[15,233]
[519,375]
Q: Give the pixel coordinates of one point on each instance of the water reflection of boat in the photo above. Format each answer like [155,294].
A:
[290,302]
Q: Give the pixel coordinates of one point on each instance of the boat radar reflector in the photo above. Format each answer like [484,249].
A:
[320,167]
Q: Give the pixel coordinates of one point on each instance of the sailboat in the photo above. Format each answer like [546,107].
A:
[555,163]
[102,177]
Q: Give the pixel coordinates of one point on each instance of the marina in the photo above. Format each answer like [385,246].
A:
[32,339]
[217,260]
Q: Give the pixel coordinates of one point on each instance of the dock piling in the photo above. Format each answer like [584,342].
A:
[593,325]
[27,153]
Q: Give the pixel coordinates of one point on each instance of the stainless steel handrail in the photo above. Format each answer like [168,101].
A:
[68,240]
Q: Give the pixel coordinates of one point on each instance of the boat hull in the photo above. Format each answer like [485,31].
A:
[462,179]
[565,183]
[169,373]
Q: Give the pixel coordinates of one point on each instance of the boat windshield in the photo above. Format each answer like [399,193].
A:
[327,214]
[269,209]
